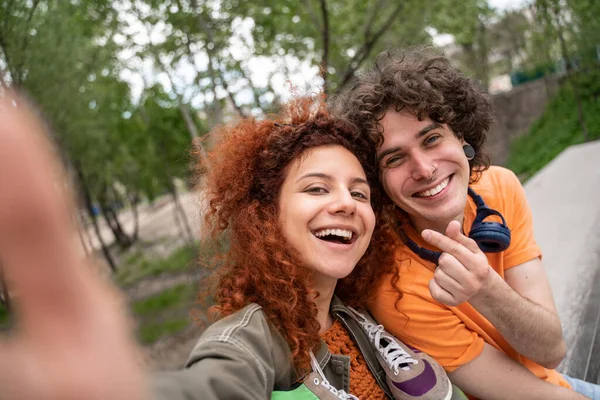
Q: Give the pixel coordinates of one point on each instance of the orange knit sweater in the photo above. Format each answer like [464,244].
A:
[362,383]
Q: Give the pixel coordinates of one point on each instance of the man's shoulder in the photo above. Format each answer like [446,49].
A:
[497,184]
[496,176]
[414,275]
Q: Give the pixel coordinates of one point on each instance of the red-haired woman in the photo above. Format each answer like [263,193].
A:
[297,199]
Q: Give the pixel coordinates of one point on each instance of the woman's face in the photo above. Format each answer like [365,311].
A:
[325,210]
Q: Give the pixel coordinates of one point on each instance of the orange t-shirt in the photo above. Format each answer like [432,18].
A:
[456,335]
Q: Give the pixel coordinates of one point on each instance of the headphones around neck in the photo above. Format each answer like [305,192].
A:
[491,237]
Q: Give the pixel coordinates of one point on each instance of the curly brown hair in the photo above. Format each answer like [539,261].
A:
[427,85]
[245,172]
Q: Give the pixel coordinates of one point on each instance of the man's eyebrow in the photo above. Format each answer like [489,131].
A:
[315,175]
[420,134]
[428,128]
[388,151]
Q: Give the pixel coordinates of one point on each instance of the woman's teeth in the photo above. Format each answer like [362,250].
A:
[335,232]
[435,190]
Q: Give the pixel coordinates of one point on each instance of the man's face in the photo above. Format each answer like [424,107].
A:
[423,169]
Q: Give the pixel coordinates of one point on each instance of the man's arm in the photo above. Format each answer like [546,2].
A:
[492,375]
[521,308]
[523,311]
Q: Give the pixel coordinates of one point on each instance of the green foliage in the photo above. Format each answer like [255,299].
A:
[161,315]
[138,267]
[151,332]
[558,128]
[173,298]
[357,31]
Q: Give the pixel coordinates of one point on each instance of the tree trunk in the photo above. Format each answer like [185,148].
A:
[111,220]
[90,209]
[133,203]
[211,52]
[115,214]
[178,209]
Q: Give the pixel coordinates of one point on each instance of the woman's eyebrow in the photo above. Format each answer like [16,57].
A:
[359,180]
[315,175]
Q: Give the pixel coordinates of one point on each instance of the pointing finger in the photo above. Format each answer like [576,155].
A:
[453,231]
[446,244]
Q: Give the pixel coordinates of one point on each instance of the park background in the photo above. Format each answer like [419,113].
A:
[129,88]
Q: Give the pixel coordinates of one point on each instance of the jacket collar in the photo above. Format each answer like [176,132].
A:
[323,355]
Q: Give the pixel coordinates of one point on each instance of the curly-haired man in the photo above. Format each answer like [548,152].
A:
[488,317]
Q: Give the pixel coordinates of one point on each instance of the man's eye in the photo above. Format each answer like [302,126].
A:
[394,161]
[432,139]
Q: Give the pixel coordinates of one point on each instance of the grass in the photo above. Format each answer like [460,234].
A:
[136,267]
[160,315]
[151,332]
[558,128]
[171,298]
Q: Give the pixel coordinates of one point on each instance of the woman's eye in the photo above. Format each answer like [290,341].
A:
[360,195]
[316,190]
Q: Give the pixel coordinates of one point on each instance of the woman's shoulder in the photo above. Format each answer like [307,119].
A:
[246,331]
[246,326]
[251,317]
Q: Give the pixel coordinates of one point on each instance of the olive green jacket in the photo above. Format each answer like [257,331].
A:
[243,357]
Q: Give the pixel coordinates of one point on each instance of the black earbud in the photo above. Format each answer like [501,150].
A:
[491,237]
[469,151]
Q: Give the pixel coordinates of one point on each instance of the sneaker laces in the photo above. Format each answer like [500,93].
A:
[394,355]
[340,394]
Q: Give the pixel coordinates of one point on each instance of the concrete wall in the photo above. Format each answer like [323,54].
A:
[515,111]
[563,197]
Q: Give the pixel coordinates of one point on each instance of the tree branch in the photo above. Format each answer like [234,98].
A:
[313,15]
[362,54]
[325,38]
[25,41]
[369,21]
[230,94]
[211,52]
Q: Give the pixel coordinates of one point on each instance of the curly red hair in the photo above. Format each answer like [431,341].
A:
[244,174]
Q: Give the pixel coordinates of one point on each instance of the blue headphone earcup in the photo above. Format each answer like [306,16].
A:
[491,237]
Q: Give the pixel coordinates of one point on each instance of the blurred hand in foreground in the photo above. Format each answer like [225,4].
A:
[71,339]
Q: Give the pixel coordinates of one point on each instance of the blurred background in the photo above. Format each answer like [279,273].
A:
[126,87]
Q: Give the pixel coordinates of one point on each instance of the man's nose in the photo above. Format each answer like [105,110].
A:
[421,167]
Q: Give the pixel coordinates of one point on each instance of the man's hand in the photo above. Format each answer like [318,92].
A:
[71,339]
[463,269]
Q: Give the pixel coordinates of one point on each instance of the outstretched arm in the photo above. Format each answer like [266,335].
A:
[71,340]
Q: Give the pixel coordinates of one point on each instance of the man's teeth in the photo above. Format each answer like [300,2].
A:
[435,190]
[337,232]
